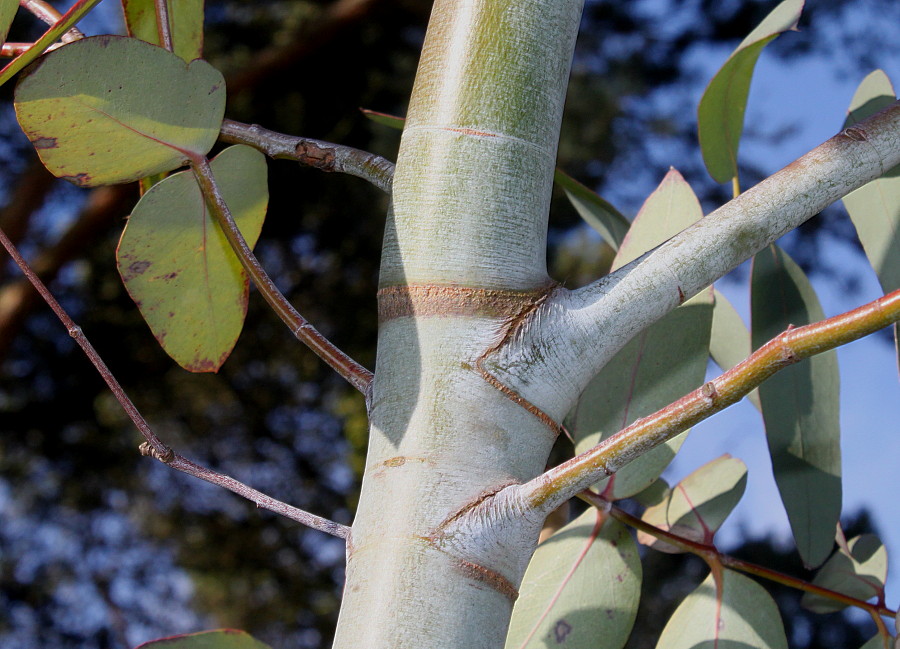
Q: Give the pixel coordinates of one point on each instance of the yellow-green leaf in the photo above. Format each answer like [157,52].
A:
[581,589]
[720,116]
[110,109]
[8,10]
[179,268]
[185,16]
[800,407]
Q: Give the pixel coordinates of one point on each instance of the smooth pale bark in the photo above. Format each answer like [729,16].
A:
[464,255]
[479,354]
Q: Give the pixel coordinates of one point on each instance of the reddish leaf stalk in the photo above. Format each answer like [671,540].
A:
[63,25]
[163,24]
[355,374]
[313,153]
[710,554]
[549,490]
[50,16]
[154,446]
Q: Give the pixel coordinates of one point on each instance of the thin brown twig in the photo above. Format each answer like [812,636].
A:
[313,153]
[565,481]
[50,16]
[153,445]
[354,373]
[711,553]
[261,500]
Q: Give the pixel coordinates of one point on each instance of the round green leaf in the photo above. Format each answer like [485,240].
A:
[741,614]
[220,639]
[111,109]
[581,589]
[179,268]
[698,505]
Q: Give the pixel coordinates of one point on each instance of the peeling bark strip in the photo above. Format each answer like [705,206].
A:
[437,300]
[487,576]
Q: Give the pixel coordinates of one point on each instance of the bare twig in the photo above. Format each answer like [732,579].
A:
[154,446]
[314,153]
[711,553]
[50,16]
[262,500]
[102,209]
[549,490]
[355,374]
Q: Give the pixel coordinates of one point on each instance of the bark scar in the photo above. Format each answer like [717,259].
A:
[513,326]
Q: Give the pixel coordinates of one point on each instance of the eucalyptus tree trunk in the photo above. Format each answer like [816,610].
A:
[464,261]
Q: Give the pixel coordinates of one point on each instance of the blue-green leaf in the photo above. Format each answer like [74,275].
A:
[662,363]
[596,212]
[739,614]
[800,407]
[581,589]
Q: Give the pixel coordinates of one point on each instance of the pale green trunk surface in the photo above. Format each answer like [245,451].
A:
[464,254]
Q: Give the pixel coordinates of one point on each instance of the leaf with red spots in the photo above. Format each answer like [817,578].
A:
[219,639]
[179,268]
[581,589]
[110,109]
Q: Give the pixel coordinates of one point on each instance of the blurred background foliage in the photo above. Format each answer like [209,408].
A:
[100,547]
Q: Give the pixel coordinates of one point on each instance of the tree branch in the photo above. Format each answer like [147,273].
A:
[549,490]
[355,374]
[313,153]
[580,331]
[153,445]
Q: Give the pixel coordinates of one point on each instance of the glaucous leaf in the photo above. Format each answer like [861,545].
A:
[110,109]
[874,208]
[659,365]
[729,342]
[740,613]
[720,115]
[596,212]
[179,268]
[219,639]
[581,589]
[698,505]
[800,407]
[75,13]
[185,16]
[861,573]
